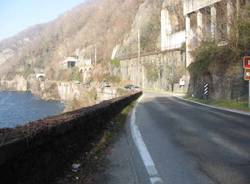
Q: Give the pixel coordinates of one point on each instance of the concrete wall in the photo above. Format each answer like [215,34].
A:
[209,20]
[39,151]
[173,41]
[69,90]
[135,72]
[194,5]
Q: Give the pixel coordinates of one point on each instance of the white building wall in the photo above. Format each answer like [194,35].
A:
[174,41]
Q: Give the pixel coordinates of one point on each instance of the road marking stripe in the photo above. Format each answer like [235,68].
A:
[143,151]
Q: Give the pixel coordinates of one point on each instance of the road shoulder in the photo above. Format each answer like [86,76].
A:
[122,163]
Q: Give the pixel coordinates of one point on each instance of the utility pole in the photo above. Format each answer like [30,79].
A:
[95,55]
[139,45]
[139,57]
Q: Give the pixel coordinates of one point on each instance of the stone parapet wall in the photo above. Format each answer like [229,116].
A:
[38,151]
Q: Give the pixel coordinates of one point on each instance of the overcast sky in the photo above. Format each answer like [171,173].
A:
[16,15]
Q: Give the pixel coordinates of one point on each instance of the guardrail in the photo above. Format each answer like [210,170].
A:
[35,152]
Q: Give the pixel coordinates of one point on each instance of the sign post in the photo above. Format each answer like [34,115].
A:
[246,66]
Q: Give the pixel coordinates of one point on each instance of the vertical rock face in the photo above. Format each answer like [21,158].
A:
[147,20]
[19,83]
[228,84]
[47,90]
[175,12]
[172,25]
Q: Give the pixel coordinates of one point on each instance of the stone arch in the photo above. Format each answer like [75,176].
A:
[40,77]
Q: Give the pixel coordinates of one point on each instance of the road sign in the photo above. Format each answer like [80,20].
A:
[246,62]
[247,74]
[246,66]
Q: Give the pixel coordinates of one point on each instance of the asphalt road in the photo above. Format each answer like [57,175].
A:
[187,144]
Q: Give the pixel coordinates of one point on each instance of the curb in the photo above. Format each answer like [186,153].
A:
[217,108]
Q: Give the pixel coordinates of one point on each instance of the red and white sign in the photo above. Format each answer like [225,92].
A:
[246,62]
[247,74]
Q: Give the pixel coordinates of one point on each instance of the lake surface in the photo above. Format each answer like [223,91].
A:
[17,108]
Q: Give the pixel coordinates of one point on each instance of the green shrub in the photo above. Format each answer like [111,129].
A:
[209,56]
[115,63]
[75,75]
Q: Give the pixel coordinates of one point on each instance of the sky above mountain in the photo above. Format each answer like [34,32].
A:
[16,15]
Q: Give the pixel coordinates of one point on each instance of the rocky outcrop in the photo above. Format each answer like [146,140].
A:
[147,20]
[19,83]
[175,9]
[73,94]
[227,84]
[47,90]
[221,68]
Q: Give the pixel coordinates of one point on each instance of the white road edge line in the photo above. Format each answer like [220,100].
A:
[143,151]
[214,107]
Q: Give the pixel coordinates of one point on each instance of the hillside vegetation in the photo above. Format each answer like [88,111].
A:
[100,23]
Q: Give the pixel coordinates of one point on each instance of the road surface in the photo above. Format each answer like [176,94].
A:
[170,141]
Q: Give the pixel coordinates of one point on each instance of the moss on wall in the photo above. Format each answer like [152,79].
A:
[224,67]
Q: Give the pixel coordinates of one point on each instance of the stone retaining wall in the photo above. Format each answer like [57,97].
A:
[155,70]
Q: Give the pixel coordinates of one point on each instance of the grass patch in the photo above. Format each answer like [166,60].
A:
[230,104]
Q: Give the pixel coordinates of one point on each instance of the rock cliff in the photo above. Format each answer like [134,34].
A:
[19,83]
[147,21]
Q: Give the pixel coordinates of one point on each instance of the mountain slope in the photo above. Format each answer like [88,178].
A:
[101,22]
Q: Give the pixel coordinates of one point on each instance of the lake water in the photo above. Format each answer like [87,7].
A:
[17,108]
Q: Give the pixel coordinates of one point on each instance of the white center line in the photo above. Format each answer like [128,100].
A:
[144,153]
